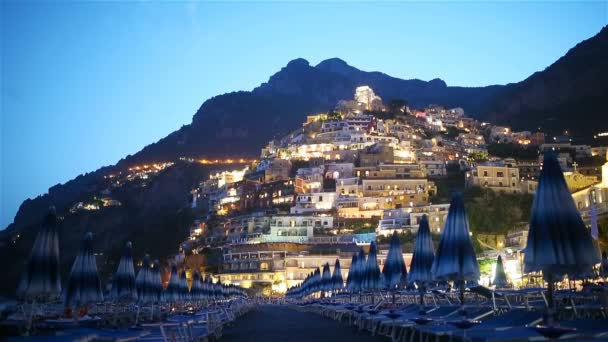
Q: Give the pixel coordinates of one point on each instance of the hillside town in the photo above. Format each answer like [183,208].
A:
[363,171]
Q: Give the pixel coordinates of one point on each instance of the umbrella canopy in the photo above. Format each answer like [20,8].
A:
[336,278]
[360,271]
[146,291]
[317,281]
[196,291]
[455,259]
[500,277]
[123,284]
[172,292]
[373,278]
[394,266]
[424,254]
[157,281]
[326,284]
[184,291]
[558,243]
[41,277]
[84,286]
[352,272]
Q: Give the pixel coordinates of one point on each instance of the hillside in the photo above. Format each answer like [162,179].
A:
[569,94]
[154,214]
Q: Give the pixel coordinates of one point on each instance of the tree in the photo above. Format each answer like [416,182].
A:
[397,105]
[512,151]
[479,156]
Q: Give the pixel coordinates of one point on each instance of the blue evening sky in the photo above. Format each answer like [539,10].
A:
[86,83]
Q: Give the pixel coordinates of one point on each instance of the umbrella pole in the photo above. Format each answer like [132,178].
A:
[421,290]
[461,283]
[550,303]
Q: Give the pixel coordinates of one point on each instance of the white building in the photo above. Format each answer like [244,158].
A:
[314,202]
[347,186]
[366,97]
[408,219]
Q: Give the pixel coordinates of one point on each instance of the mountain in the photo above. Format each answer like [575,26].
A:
[569,94]
[242,122]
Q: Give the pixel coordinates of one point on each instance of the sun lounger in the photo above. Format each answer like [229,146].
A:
[513,318]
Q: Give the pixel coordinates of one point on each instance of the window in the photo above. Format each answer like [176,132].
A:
[485,173]
[500,174]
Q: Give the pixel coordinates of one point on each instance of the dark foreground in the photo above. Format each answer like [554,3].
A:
[276,323]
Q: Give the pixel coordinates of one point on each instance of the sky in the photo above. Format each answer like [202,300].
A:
[84,84]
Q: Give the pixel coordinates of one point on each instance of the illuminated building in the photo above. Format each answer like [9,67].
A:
[397,187]
[500,178]
[366,97]
[314,202]
[309,180]
[278,270]
[408,219]
[377,154]
[277,170]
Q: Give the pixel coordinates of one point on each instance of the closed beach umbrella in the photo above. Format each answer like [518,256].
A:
[326,284]
[350,280]
[422,260]
[336,278]
[424,254]
[455,259]
[394,266]
[41,277]
[184,291]
[172,292]
[197,287]
[146,293]
[373,280]
[157,281]
[84,286]
[209,286]
[500,277]
[558,243]
[317,281]
[123,284]
[360,271]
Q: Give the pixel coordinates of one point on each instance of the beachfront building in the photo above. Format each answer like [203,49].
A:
[281,269]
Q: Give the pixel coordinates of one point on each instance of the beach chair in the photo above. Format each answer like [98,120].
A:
[440,327]
[402,330]
[512,319]
[166,332]
[491,295]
